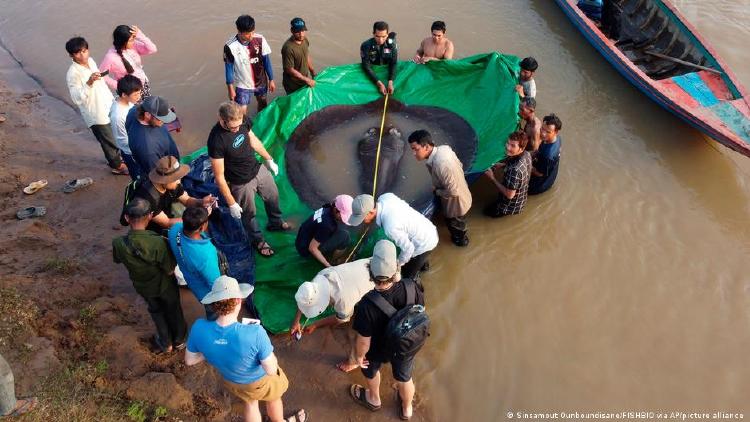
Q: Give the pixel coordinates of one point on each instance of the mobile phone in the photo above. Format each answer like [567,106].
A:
[105,73]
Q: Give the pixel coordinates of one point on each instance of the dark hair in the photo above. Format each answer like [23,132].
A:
[224,307]
[381,280]
[245,23]
[140,112]
[520,137]
[530,64]
[75,45]
[120,38]
[379,26]
[193,218]
[438,26]
[529,102]
[128,84]
[552,119]
[421,137]
[138,208]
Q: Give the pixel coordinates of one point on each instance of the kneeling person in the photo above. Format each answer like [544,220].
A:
[341,287]
[320,235]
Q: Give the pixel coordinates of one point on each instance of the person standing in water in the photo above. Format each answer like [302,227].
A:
[247,65]
[435,47]
[295,57]
[381,49]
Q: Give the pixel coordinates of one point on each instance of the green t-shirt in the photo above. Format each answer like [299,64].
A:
[294,56]
[148,259]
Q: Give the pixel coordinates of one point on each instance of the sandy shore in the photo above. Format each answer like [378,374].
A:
[85,310]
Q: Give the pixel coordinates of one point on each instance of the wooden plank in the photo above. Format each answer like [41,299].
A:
[683,62]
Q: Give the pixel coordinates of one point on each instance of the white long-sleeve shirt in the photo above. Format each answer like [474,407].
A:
[411,231]
[93,101]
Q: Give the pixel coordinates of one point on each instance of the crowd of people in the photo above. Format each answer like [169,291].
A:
[133,129]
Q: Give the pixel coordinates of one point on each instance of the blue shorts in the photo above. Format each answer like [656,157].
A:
[242,96]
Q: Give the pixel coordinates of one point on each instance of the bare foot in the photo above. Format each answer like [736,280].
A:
[345,366]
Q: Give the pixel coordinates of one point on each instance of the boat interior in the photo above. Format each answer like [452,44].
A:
[650,39]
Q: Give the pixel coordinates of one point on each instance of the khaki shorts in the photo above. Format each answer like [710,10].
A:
[268,388]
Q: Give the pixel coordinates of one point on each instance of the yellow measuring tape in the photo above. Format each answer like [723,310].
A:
[375,176]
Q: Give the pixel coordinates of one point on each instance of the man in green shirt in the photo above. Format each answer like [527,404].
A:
[150,264]
[295,58]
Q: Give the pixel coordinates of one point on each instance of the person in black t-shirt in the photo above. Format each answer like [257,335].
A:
[232,146]
[163,188]
[370,324]
[320,235]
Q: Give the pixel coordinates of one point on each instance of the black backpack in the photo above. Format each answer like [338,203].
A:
[130,193]
[408,327]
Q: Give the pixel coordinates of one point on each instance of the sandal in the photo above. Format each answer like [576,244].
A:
[264,249]
[75,184]
[284,227]
[31,212]
[34,186]
[400,404]
[121,171]
[299,415]
[23,406]
[359,395]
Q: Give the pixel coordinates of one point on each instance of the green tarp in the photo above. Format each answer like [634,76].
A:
[479,88]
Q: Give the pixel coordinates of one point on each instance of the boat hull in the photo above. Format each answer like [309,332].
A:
[671,96]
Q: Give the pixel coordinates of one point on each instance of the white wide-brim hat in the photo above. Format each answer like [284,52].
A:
[226,287]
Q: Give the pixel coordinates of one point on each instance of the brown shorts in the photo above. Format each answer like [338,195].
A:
[268,388]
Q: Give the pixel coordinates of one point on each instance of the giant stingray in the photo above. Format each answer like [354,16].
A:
[333,151]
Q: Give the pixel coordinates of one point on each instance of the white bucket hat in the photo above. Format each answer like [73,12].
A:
[226,287]
[313,296]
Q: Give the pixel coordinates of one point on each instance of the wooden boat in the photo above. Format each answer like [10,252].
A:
[653,46]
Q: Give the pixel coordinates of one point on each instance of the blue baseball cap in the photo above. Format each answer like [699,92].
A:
[298,25]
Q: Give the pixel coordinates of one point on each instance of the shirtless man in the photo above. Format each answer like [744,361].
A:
[532,125]
[436,47]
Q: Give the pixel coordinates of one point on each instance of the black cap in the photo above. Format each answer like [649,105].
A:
[298,25]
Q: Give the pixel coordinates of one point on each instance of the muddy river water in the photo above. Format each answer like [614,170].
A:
[621,289]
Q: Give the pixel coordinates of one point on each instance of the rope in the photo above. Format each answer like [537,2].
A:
[375,176]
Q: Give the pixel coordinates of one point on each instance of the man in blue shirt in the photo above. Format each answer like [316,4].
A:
[148,138]
[547,159]
[196,256]
[242,353]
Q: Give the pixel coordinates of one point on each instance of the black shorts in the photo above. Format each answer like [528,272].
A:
[401,368]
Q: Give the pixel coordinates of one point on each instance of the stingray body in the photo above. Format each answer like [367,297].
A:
[333,151]
[391,151]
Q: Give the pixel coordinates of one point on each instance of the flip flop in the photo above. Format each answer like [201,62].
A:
[31,212]
[358,395]
[26,405]
[264,247]
[34,186]
[76,184]
[400,403]
[284,227]
[295,417]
